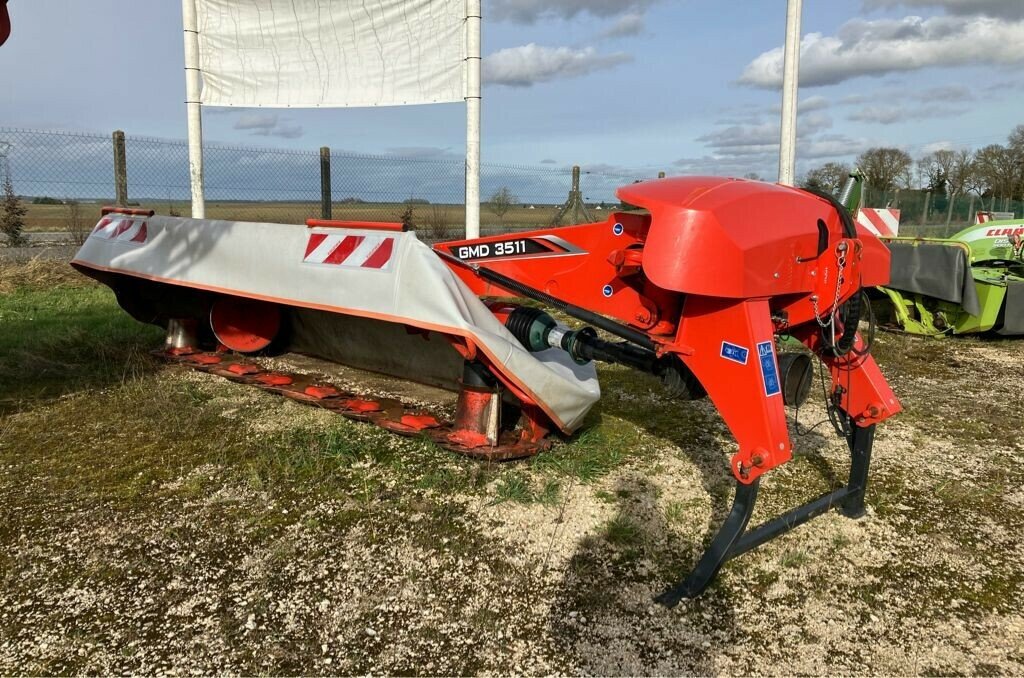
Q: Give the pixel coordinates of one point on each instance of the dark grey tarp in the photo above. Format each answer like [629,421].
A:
[374,345]
[1013,315]
[934,270]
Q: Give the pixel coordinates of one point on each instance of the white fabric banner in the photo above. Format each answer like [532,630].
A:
[331,53]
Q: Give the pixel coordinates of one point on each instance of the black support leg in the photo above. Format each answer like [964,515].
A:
[719,551]
[861,440]
[731,540]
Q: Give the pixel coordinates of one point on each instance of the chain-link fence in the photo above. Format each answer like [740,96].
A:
[60,171]
[934,214]
[65,177]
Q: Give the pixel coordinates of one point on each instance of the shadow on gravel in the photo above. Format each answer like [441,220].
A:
[603,616]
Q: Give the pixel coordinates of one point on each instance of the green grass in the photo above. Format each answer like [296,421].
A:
[523,487]
[623,531]
[62,339]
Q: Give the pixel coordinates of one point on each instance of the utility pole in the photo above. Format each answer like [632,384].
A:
[194,107]
[790,90]
[575,208]
[473,101]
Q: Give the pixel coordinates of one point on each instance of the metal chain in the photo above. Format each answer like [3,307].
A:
[841,260]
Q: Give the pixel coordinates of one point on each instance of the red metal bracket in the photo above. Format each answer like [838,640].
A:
[361,225]
[114,209]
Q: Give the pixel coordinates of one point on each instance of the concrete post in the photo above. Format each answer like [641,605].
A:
[325,182]
[120,170]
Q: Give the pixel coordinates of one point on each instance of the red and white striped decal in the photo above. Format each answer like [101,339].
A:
[985,217]
[121,229]
[880,221]
[350,251]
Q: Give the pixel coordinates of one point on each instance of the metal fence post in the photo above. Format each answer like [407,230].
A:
[120,169]
[325,182]
[924,212]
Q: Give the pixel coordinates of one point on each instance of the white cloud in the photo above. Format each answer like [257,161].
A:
[763,159]
[943,93]
[423,152]
[876,48]
[530,64]
[726,167]
[268,125]
[832,146]
[815,103]
[529,11]
[1005,9]
[735,140]
[808,105]
[888,114]
[627,25]
[256,121]
[928,149]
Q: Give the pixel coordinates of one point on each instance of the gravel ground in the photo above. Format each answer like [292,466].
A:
[142,533]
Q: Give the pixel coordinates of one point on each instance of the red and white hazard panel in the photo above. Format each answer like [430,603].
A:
[350,251]
[121,229]
[880,221]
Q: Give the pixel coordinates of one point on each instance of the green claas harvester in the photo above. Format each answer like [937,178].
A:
[970,283]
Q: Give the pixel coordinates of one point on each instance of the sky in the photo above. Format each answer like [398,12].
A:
[682,86]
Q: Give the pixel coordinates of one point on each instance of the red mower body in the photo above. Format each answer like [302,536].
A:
[713,272]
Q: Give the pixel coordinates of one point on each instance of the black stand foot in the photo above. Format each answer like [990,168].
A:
[861,440]
[720,549]
[733,540]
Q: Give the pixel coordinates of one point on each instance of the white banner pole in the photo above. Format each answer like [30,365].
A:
[193,91]
[473,101]
[790,88]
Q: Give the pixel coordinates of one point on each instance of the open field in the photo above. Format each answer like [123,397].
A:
[434,222]
[156,520]
[55,218]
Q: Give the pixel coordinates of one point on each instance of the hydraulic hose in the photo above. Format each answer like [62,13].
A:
[851,310]
[599,321]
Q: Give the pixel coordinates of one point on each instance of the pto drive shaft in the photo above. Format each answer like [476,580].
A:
[538,331]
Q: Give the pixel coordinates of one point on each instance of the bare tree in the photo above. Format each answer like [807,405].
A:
[437,225]
[931,175]
[12,216]
[958,166]
[501,202]
[76,222]
[998,169]
[1016,141]
[1016,145]
[830,177]
[885,168]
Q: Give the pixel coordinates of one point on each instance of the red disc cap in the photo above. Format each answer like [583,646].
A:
[245,325]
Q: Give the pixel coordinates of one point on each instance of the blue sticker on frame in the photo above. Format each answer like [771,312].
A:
[735,353]
[769,368]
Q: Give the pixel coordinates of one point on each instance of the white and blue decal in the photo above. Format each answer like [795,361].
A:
[735,353]
[769,368]
[617,229]
[607,290]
